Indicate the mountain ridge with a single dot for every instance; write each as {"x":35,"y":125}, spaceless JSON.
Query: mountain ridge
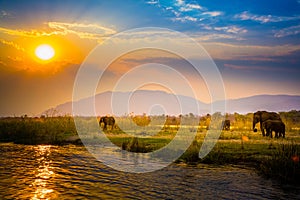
{"x":148,"y":101}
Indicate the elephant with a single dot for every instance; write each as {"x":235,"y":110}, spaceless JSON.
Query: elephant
{"x":107,"y":121}
{"x":261,"y":116}
{"x":226,"y":125}
{"x":274,"y":125}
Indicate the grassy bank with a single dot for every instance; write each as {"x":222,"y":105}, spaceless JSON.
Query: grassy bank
{"x":24,"y":130}
{"x":275,"y":158}
{"x":272,"y":158}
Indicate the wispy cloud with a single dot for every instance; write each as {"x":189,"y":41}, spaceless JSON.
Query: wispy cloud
{"x":23,"y":33}
{"x":293,"y":30}
{"x":152,"y":2}
{"x":12,"y":44}
{"x":5,"y":14}
{"x":264,"y":18}
{"x":188,"y":7}
{"x":186,"y":12}
{"x":255,"y":68}
{"x":243,"y":67}
{"x":86,"y":31}
{"x":227,"y":51}
{"x":226,"y":29}
{"x":185,"y":19}
{"x":213,"y":13}
{"x":209,"y":37}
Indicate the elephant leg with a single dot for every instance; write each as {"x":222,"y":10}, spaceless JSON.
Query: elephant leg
{"x":262,"y":129}
{"x":112,"y":126}
{"x":271,"y":134}
{"x":276,"y":134}
{"x":105,"y":126}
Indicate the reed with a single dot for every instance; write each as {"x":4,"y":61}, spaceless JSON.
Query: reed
{"x":283,"y":165}
{"x":23,"y":130}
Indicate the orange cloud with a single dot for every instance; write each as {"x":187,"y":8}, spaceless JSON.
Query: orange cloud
{"x":59,"y":35}
{"x":12,"y":44}
{"x":84,"y":31}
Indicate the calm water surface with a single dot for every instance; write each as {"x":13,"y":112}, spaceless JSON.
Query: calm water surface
{"x":70,"y":172}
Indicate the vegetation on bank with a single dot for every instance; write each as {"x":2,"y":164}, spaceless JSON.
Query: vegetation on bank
{"x":275,"y":158}
{"x":43,"y":130}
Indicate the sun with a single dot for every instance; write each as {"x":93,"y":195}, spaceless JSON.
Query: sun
{"x":44,"y":52}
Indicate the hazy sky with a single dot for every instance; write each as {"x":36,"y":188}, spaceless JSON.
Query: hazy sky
{"x":254,"y":43}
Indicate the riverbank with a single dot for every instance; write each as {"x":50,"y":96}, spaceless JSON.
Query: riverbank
{"x":272,"y":158}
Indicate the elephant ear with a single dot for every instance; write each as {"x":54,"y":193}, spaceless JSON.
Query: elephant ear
{"x":259,"y":113}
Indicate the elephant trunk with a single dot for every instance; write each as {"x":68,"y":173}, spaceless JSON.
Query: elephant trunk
{"x":253,"y":126}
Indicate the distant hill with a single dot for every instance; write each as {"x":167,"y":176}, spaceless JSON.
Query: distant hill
{"x":275,"y":103}
{"x":146,"y":101}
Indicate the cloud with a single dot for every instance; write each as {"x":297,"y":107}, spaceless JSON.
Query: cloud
{"x":153,"y":2}
{"x":189,"y":7}
{"x":226,"y":51}
{"x":227,"y":29}
{"x":264,"y":18}
{"x":213,"y":13}
{"x":85,"y":31}
{"x":243,"y":67}
{"x":24,"y":33}
{"x":213,"y":36}
{"x":293,"y":30}
{"x":185,"y":19}
{"x":5,"y":14}
{"x":185,"y":12}
{"x":12,"y":44}
{"x":258,"y":68}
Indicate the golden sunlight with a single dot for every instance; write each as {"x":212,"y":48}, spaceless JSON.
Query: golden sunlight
{"x":44,"y":52}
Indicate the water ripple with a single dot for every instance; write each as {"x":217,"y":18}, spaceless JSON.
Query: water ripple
{"x":70,"y":172}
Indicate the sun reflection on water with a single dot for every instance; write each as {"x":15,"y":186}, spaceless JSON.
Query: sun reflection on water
{"x":43,"y":173}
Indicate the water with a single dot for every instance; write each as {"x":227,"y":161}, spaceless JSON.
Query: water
{"x":70,"y":172}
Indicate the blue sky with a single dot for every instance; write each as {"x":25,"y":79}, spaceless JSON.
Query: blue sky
{"x":255,"y":44}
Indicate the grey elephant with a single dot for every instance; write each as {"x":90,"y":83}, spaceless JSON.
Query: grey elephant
{"x":107,"y":121}
{"x":274,"y":125}
{"x":226,"y":124}
{"x":262,"y":116}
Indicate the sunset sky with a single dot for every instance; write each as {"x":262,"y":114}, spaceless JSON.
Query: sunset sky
{"x":254,"y":43}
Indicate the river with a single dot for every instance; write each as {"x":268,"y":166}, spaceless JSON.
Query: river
{"x":71,"y":172}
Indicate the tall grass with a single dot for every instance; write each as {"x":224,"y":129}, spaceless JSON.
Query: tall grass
{"x":135,"y":145}
{"x":284,"y":164}
{"x":52,"y":130}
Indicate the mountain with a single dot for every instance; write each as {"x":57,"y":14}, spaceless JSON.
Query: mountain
{"x":275,"y":103}
{"x":159,"y":102}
